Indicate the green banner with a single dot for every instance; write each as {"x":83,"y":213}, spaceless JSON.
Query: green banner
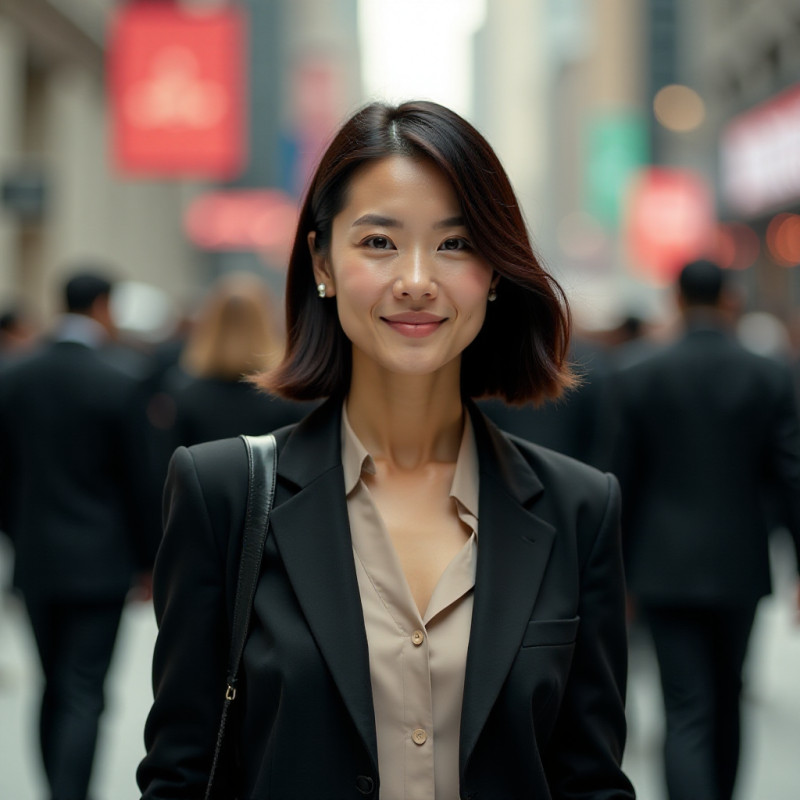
{"x":616,"y":147}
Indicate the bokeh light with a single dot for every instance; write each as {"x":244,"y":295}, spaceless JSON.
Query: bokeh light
{"x":737,"y":246}
{"x":783,"y":239}
{"x":679,"y":108}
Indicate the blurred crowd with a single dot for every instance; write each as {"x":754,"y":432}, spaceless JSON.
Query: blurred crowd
{"x":695,"y":413}
{"x":88,"y":420}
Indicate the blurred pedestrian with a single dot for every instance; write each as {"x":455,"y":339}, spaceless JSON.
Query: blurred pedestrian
{"x":71,"y":449}
{"x":707,"y":431}
{"x":234,"y":334}
{"x":440,"y":609}
{"x":17,"y":334}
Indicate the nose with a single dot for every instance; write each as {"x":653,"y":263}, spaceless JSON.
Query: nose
{"x":415,"y":278}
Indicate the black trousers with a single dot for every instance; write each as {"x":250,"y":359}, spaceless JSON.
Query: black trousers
{"x":700,"y":654}
{"x":75,"y":641}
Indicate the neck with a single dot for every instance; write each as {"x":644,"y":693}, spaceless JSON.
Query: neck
{"x":704,"y":315}
{"x":407,"y":420}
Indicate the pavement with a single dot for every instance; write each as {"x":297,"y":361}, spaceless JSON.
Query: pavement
{"x":770,"y":768}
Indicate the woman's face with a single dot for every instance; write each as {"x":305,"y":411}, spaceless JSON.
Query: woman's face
{"x":410,"y":289}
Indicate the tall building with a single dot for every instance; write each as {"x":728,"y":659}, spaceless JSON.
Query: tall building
{"x":61,"y":199}
{"x":560,"y":90}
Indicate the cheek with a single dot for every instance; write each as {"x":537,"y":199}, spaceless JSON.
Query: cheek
{"x":354,"y":279}
{"x":473,"y":289}
{"x":356,"y":284}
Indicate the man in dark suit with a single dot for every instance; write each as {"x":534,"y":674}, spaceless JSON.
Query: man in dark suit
{"x":707,"y":430}
{"x":73,"y":500}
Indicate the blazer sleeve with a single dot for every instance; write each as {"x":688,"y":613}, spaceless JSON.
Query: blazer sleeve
{"x":783,"y":455}
{"x":190,"y":657}
{"x":585,"y":751}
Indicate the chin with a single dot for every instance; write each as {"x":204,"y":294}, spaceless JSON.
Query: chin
{"x":416,"y":366}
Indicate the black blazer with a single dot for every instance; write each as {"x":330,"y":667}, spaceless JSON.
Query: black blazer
{"x":709,"y":431}
{"x":545,"y":678}
{"x":74,"y":490}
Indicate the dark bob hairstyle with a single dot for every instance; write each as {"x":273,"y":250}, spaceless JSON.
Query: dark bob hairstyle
{"x":520,"y":352}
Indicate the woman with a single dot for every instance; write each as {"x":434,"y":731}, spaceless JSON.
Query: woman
{"x":441,"y":608}
{"x":232,"y":335}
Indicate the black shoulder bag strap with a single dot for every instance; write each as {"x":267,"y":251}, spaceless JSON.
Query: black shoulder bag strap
{"x":262,"y":455}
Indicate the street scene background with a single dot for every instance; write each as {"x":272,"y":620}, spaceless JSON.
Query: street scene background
{"x":638,"y":134}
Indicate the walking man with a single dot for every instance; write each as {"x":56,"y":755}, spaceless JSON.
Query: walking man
{"x":708,"y":430}
{"x":73,"y":501}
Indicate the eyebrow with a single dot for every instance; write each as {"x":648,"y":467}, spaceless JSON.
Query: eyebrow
{"x":391,"y":222}
{"x":377,"y":219}
{"x":450,"y":222}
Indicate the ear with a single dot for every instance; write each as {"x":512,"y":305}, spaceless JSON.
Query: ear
{"x":321,"y":266}
{"x":100,"y":311}
{"x":495,"y":280}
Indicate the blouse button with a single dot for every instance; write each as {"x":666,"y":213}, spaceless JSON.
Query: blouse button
{"x":419,"y":736}
{"x":418,"y":637}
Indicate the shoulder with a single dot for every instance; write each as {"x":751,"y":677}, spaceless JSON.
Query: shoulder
{"x":580,"y":502}
{"x":206,"y":489}
{"x":769,"y":371}
{"x":124,"y":363}
{"x":559,"y":471}
{"x":25,"y":373}
{"x":209,"y":458}
{"x":19,"y":365}
{"x":207,"y":484}
{"x":220,"y":466}
{"x":651,"y":356}
{"x":528,"y":469}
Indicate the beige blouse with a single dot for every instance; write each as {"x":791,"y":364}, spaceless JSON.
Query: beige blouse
{"x":417,"y":662}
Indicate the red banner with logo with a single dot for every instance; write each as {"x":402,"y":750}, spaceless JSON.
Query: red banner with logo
{"x":177,"y":90}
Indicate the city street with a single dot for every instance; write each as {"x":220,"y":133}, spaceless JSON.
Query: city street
{"x":217,"y":214}
{"x":770,"y":766}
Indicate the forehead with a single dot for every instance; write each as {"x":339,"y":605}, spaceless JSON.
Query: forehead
{"x":400,"y":183}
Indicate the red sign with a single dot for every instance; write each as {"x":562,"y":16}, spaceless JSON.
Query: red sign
{"x":263,"y":220}
{"x":670,"y":222}
{"x":177,"y":90}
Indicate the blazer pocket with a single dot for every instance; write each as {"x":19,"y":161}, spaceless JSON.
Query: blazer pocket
{"x":551,"y":632}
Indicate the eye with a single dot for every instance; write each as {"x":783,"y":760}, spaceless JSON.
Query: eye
{"x":378,"y":243}
{"x":455,"y":243}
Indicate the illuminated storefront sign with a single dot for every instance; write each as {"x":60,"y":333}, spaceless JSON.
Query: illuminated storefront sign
{"x":760,"y":156}
{"x":260,"y":220}
{"x":177,"y":90}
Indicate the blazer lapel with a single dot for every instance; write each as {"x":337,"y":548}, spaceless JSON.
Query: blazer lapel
{"x":513,"y":550}
{"x":312,"y":533}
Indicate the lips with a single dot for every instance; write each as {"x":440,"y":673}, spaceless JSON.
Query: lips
{"x":414,"y":324}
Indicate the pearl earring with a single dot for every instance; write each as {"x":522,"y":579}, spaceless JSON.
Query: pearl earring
{"x":492,"y":296}
{"x":321,"y":289}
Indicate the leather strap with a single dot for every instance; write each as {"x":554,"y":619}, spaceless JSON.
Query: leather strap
{"x":262,"y":455}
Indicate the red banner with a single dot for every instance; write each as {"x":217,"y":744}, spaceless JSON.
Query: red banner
{"x":177,"y":90}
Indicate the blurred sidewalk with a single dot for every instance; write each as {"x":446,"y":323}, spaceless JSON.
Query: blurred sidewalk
{"x":771,"y":755}
{"x":770,"y":762}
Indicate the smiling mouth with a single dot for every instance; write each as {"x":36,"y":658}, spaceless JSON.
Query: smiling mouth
{"x":414,"y":325}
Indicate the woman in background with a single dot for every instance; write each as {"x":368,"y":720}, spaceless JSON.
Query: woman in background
{"x":233,"y":335}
